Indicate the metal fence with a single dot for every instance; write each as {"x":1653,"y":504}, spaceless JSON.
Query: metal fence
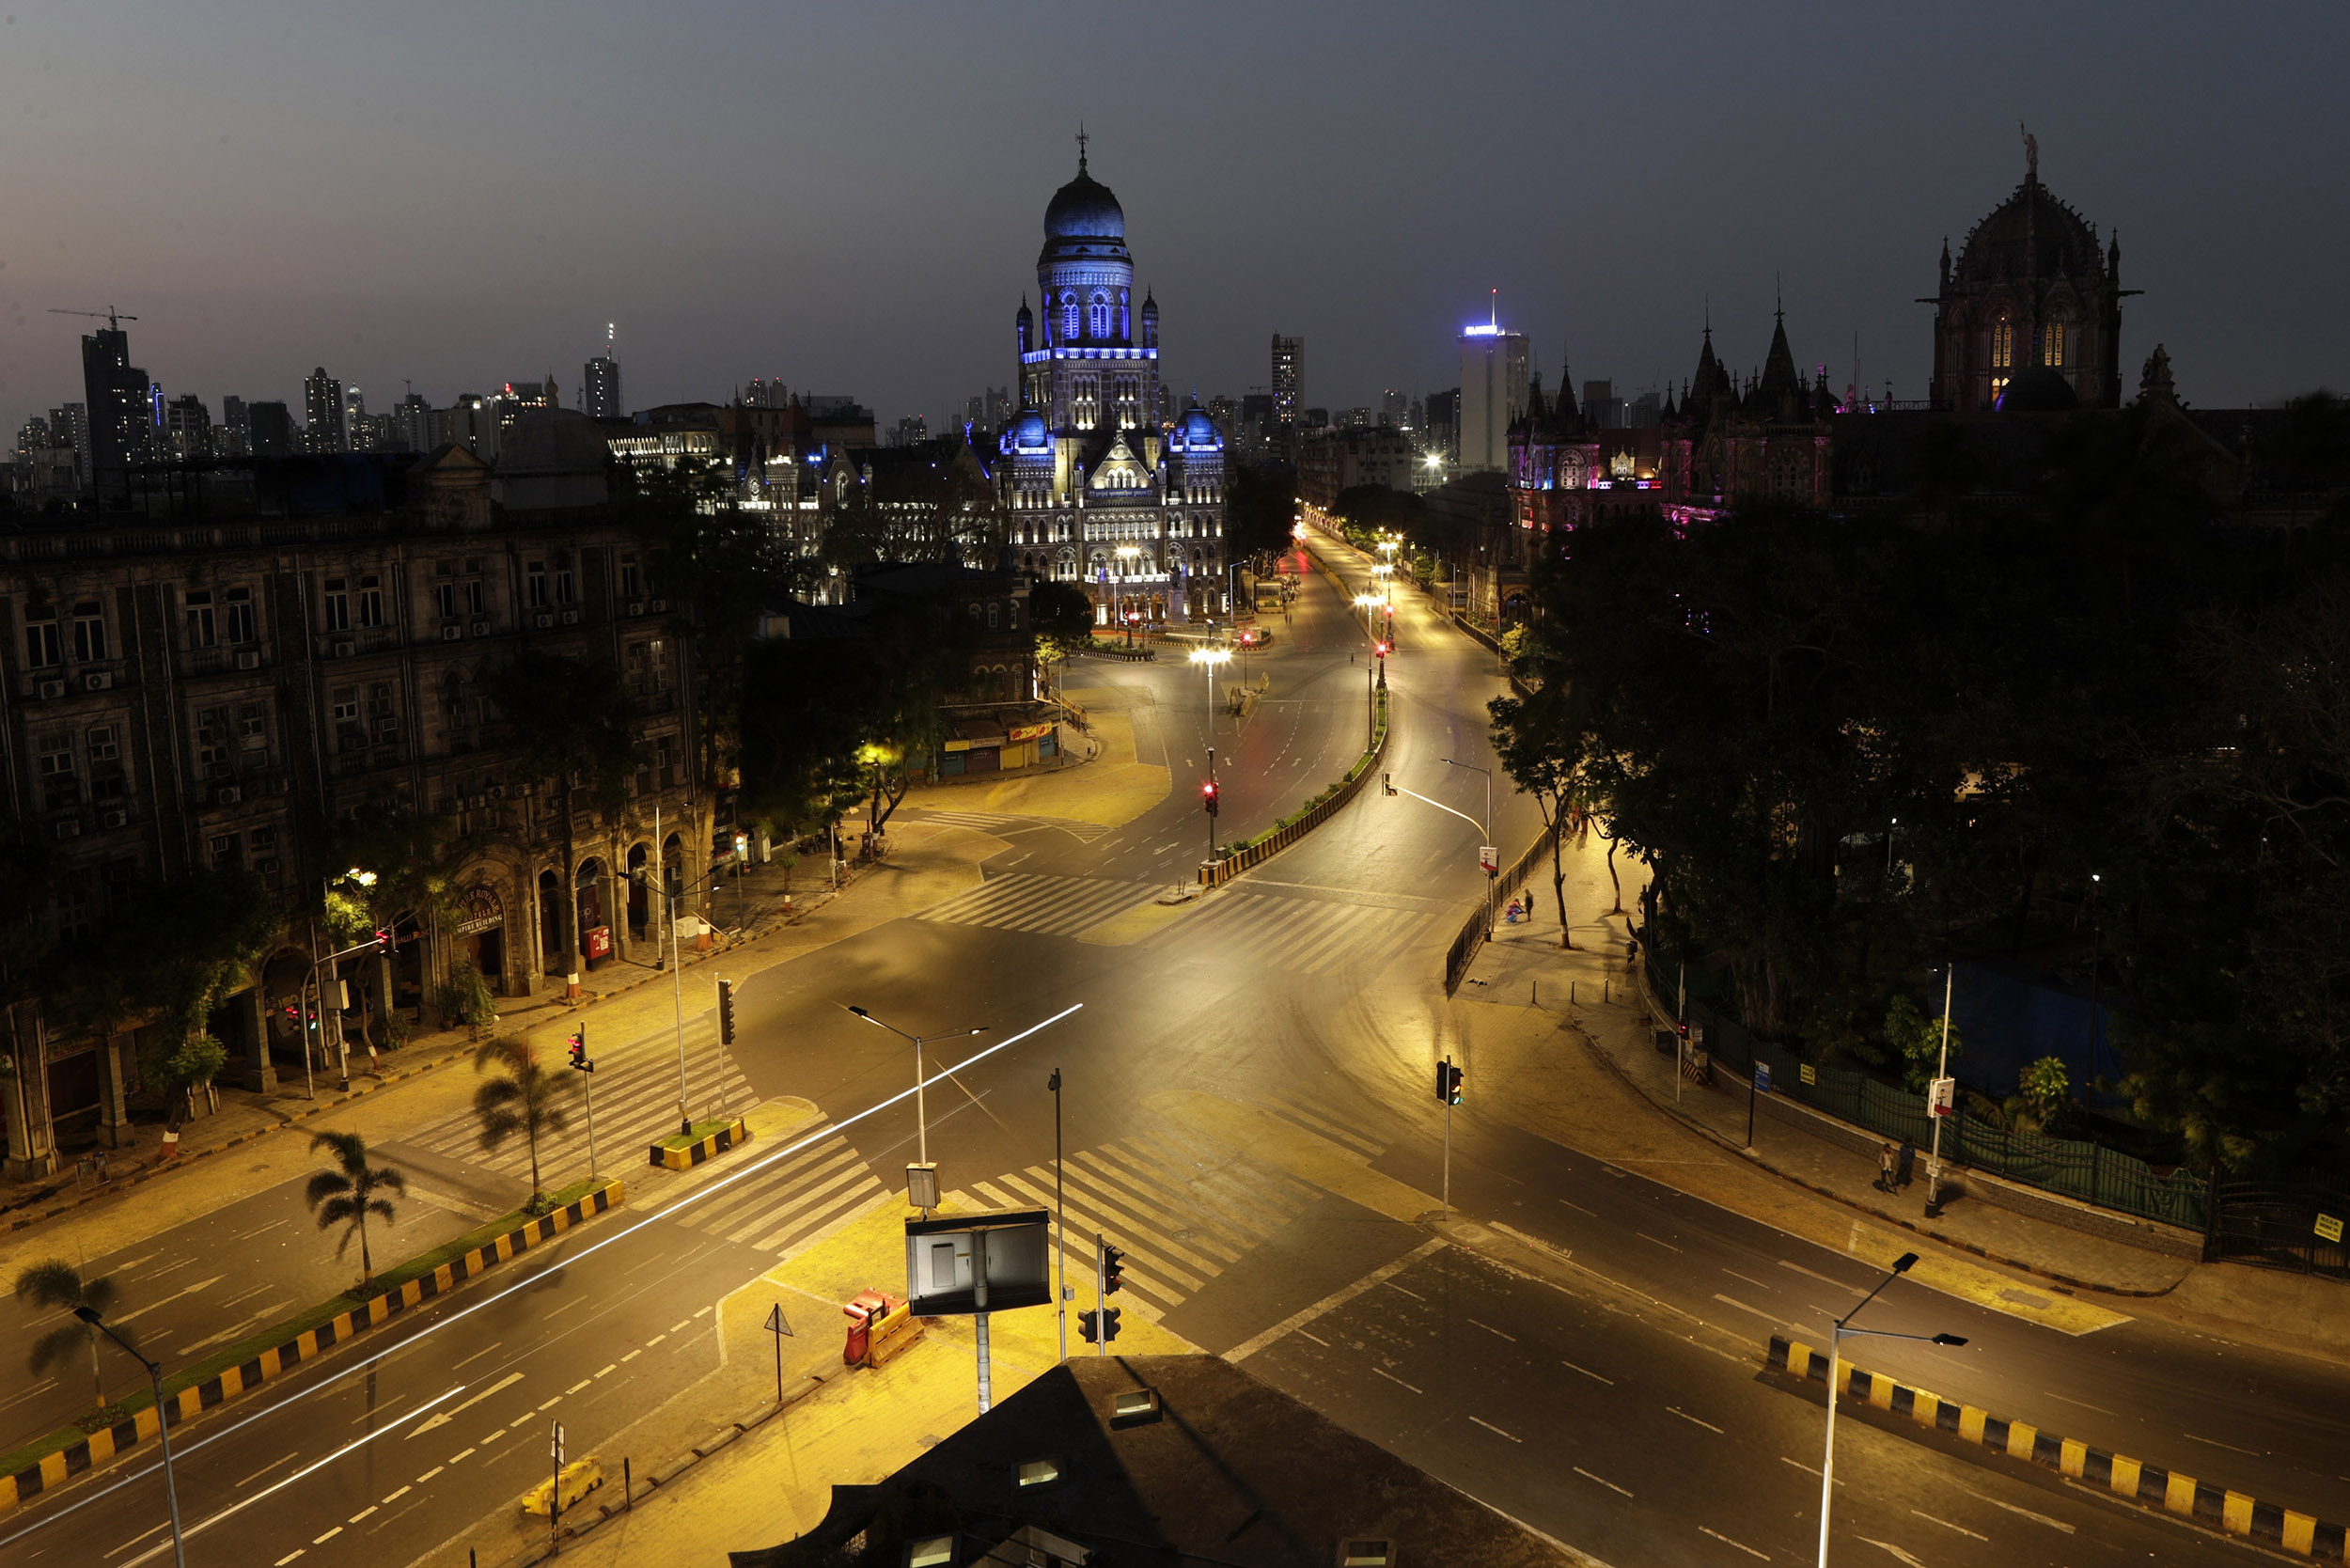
{"x":2076,"y":1167}
{"x":2300,"y":1229}
{"x":1464,"y":949}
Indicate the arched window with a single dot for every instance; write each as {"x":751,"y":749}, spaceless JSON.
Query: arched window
{"x":2003,"y":355}
{"x":2052,"y":343}
{"x":1100,"y":316}
{"x":993,"y":613}
{"x":1069,"y":315}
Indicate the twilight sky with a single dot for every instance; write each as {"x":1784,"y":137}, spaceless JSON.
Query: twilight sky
{"x":849,"y":196}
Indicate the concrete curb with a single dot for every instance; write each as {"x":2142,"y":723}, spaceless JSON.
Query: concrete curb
{"x":303,"y":1348}
{"x":701,"y":1148}
{"x":2150,"y":1486}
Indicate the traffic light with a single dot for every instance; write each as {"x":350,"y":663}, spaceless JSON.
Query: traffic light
{"x":1207,"y":796}
{"x":1086,"y":1329}
{"x":725,"y":1013}
{"x":1380,"y":649}
{"x":1447,"y":1083}
{"x":1110,"y":1323}
{"x":383,"y":940}
{"x":1113,"y":1270}
{"x":579,"y":1051}
{"x":742,"y":845}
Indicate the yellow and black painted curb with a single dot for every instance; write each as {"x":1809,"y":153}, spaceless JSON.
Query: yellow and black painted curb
{"x":2148,"y":1486}
{"x":305,"y":1346}
{"x":693,"y":1154}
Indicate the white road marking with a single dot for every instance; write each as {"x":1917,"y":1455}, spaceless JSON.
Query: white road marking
{"x":1316,"y":1339}
{"x":455,"y":1457}
{"x":491,"y":1439}
{"x":573,"y":1389}
{"x":1812,"y":1273}
{"x":614,"y":1367}
{"x":268,"y":1468}
{"x":556,"y":1399}
{"x":187,"y":1289}
{"x":1666,"y":1245}
{"x":1589,"y":1372}
{"x":1731,"y":1301}
{"x":1490,"y":1427}
{"x":1603,"y":1480}
{"x":1747,"y":1278}
{"x":1392,"y":1378}
{"x":363,"y":1514}
{"x":1578,"y":1208}
{"x":431,"y":1473}
{"x":2084,"y":1405}
{"x":136,"y":1538}
{"x":330,"y":1535}
{"x":1414,"y":1295}
{"x":1898,"y":1556}
{"x":2037,"y":1519}
{"x":1694,"y":1421}
{"x":631,"y":1356}
{"x":2218,"y":1444}
{"x":1491,"y":1329}
{"x":1727,"y":1542}
{"x":679,"y":1324}
{"x":396,"y":1495}
{"x":655,"y":1340}
{"x":1946,"y":1524}
{"x":704,"y":1312}
{"x":290,"y":1556}
{"x":476,"y":1356}
{"x":248,"y":1236}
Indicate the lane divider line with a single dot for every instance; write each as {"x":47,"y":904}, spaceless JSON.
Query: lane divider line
{"x":2150,"y":1486}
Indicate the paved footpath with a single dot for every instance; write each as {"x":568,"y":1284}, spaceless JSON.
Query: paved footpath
{"x":1694,"y":1138}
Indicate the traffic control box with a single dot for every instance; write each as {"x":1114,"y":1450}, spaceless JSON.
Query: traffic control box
{"x":877,"y":1322}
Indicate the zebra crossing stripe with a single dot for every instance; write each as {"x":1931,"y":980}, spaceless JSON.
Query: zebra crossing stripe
{"x":1111,"y":1200}
{"x":1247,"y":1193}
{"x":751,"y":1194}
{"x":781,"y":1217}
{"x":1051,"y":905}
{"x":1100,"y":1217}
{"x":1242,"y":1209}
{"x":1123,"y":1187}
{"x":1283,"y":1105}
{"x":858,"y":1199}
{"x":764,"y":1201}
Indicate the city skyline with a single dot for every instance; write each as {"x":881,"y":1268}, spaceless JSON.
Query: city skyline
{"x":350,"y":246}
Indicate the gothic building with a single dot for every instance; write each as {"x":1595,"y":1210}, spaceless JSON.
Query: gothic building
{"x":2028,"y":318}
{"x":1098,"y":489}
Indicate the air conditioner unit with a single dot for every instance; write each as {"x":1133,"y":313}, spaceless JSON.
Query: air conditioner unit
{"x":659,"y":607}
{"x":544,"y":620}
{"x":637,"y":606}
{"x":497,"y":792}
{"x":522,"y":791}
{"x":99,"y":681}
{"x":113,"y":819}
{"x":53,"y":688}
{"x":345,"y":649}
{"x":571,"y":618}
{"x":451,"y":632}
{"x":70,"y":828}
{"x":481,"y":628}
{"x":227,"y":794}
{"x":249,"y":659}
{"x":267,"y":868}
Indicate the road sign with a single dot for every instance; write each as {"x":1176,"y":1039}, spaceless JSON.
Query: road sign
{"x":1807,"y":1072}
{"x":1942,"y":1096}
{"x":775,"y":1323}
{"x":1489,"y":859}
{"x":1762,"y":1077}
{"x":557,"y":1447}
{"x":2329,"y":1227}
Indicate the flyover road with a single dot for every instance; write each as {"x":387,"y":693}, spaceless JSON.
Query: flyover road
{"x":1248,"y":1113}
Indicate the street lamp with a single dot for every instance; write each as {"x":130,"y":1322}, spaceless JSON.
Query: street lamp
{"x":162,"y":1427}
{"x":1211,"y":659}
{"x":1835,"y":1341}
{"x":1127,"y":555}
{"x":921,"y":1119}
{"x":1489,"y":835}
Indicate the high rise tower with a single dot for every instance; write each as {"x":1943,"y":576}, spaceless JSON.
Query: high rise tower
{"x":603,"y":380}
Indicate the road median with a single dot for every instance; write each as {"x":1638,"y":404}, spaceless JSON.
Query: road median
{"x":2150,"y":1486}
{"x":1281,"y":835}
{"x":298,"y":1341}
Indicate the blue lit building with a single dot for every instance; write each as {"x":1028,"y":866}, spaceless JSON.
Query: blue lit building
{"x":1099,"y":489}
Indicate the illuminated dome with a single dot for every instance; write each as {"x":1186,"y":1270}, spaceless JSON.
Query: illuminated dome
{"x":1027,"y":431}
{"x":1198,"y":432}
{"x":1085,"y":209}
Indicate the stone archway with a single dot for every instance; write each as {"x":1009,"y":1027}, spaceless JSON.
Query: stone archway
{"x":550,"y":923}
{"x":595,"y":923}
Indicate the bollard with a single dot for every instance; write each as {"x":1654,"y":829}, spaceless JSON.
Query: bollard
{"x":628,"y":1497}
{"x":1605,"y":985}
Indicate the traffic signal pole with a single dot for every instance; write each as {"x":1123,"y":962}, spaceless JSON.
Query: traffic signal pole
{"x":588,"y":1088}
{"x":1101,"y":1302}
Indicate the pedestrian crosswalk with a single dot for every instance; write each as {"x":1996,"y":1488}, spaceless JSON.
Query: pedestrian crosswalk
{"x":995,"y":821}
{"x":635,"y":1087}
{"x":794,"y":1201}
{"x":1316,"y":936}
{"x":1055,"y":905}
{"x":1182,"y":1206}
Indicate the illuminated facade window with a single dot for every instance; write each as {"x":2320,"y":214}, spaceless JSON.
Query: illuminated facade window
{"x":1069,"y":315}
{"x":2052,"y":344}
{"x":1100,"y":316}
{"x":2003,"y":355}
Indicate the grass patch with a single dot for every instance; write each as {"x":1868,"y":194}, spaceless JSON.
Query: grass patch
{"x":700,"y":1131}
{"x":279,"y":1333}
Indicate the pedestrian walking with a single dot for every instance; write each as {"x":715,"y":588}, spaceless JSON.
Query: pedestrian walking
{"x":1885,"y":1168}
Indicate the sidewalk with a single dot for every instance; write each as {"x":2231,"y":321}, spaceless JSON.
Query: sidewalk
{"x":1110,"y":789}
{"x":422,"y":1083}
{"x":1616,"y":1095}
{"x":731,"y":1476}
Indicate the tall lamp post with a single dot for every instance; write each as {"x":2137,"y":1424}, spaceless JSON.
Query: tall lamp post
{"x":163,"y":1428}
{"x":1472,"y":767}
{"x":1834,"y":1360}
{"x":921,"y":1116}
{"x":1127,"y":555}
{"x":1211,"y":659}
{"x":1371,"y":679}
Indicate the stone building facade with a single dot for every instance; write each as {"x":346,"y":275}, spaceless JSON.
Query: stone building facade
{"x":219,"y":690}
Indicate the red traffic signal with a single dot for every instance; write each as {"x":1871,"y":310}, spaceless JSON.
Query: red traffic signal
{"x":383,"y":939}
{"x":1381,"y":648}
{"x":1113,"y":1269}
{"x":1207,"y":796}
{"x":578,"y":1044}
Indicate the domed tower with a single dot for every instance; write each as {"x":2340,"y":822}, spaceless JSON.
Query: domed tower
{"x":1094,"y":374}
{"x":1024,"y":327}
{"x":2032,"y":296}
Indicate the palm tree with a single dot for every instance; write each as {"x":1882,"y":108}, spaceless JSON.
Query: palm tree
{"x":347,"y":1195}
{"x":54,"y":1282}
{"x":522,"y":1098}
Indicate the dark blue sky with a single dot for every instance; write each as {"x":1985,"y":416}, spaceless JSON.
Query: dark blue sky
{"x":849,"y":196}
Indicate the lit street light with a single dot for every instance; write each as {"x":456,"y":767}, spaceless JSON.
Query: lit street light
{"x":1834,"y":1358}
{"x":921,"y":1119}
{"x":1211,"y":659}
{"x":163,"y":1428}
{"x":1127,"y":555}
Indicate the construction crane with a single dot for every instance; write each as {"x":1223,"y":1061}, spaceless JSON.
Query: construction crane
{"x":113,"y":318}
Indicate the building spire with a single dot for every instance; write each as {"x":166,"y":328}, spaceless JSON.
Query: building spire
{"x":2031,"y":155}
{"x":1081,"y":146}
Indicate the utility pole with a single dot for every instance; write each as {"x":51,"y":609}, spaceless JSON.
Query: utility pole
{"x":586,"y":1068}
{"x":1060,"y":1224}
{"x":677,"y":985}
{"x":1941,"y":1086}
